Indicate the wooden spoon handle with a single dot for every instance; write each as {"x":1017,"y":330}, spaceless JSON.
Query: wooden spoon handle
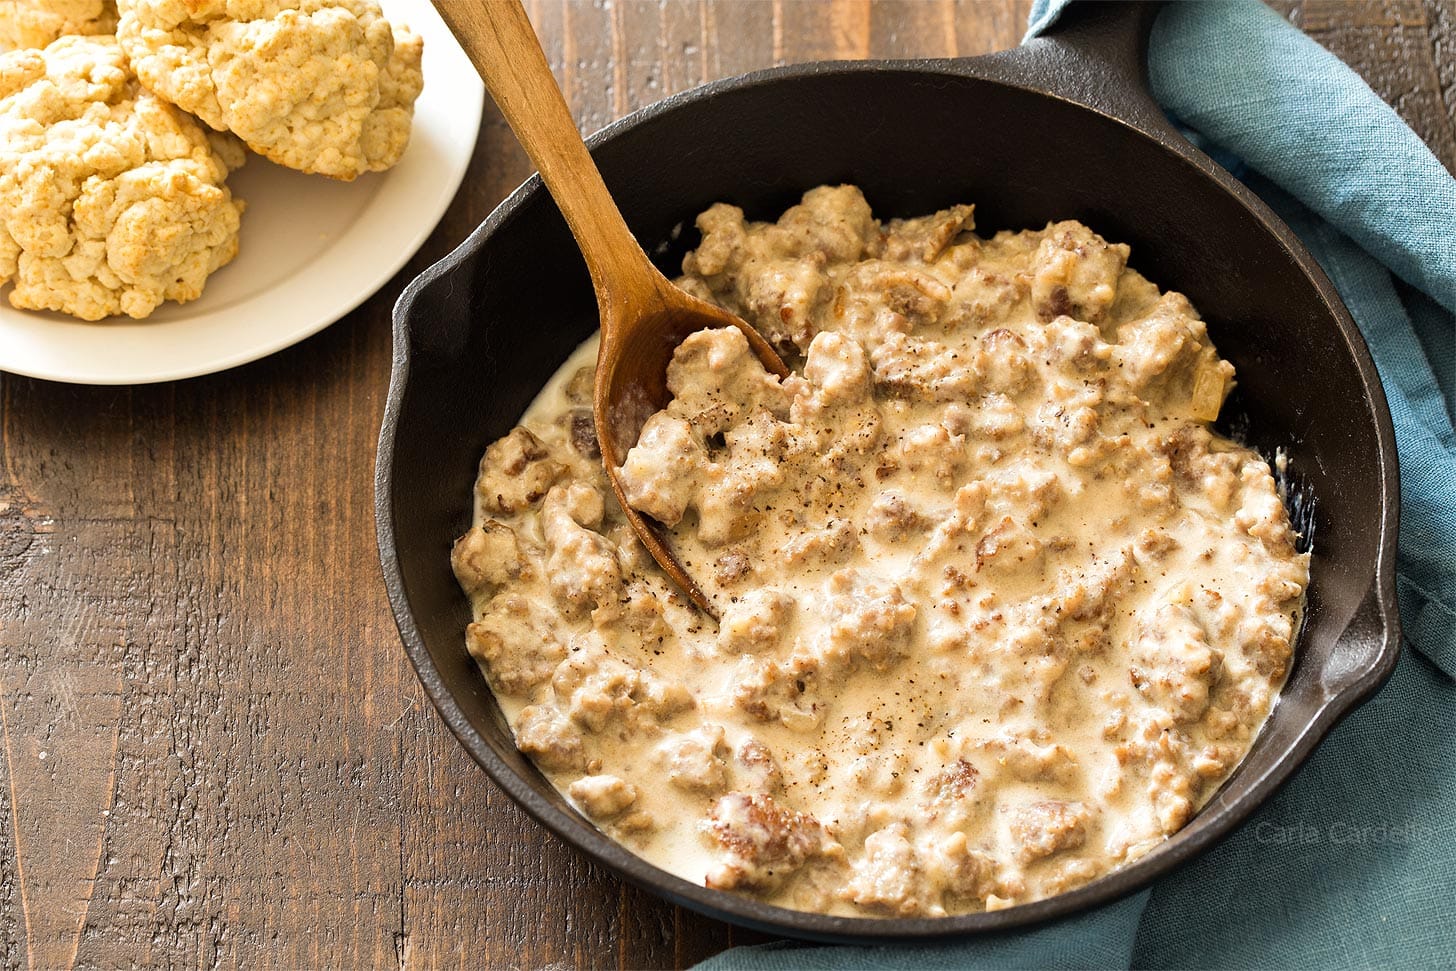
{"x":498,"y":38}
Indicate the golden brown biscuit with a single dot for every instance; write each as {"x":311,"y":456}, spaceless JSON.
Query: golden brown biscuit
{"x":325,"y":86}
{"x":111,"y":200}
{"x":35,"y":23}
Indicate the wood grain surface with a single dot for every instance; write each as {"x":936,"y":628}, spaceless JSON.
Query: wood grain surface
{"x":212,"y":750}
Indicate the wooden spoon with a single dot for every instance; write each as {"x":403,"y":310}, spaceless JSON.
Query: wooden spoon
{"x":643,"y":316}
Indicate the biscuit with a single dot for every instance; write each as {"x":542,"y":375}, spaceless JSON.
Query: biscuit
{"x":111,"y":200}
{"x":35,"y":23}
{"x":323,"y":86}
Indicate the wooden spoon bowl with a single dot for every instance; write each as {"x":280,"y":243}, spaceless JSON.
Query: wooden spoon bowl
{"x":631,"y":384}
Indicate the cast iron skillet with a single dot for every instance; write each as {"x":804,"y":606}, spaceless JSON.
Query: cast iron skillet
{"x":1059,"y":128}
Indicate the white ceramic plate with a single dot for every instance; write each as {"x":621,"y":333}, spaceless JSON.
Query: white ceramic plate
{"x":311,"y":249}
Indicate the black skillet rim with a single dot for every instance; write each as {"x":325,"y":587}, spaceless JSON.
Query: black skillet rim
{"x":869,"y":930}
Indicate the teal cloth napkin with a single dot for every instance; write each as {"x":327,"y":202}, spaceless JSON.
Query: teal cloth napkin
{"x":1353,"y":864}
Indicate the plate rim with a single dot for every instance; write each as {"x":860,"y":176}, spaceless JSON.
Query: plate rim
{"x":462,"y":103}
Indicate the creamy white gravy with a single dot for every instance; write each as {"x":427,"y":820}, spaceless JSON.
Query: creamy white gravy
{"x":999,"y":611}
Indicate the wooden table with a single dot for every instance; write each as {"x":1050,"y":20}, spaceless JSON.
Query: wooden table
{"x":214,"y":750}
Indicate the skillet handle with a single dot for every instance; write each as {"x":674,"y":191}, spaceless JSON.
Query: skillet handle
{"x":1364,"y":654}
{"x":1096,"y":54}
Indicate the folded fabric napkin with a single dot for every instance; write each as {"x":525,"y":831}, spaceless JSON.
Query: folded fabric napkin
{"x":1352,"y":863}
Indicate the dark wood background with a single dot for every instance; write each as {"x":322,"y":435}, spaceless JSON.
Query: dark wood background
{"x":214,"y":750}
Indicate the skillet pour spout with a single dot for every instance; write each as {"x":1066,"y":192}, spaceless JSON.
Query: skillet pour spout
{"x":1060,"y":128}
